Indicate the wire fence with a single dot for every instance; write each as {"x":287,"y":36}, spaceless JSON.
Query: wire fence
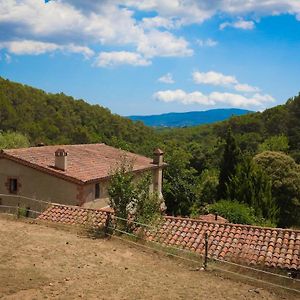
{"x":166,"y":252}
{"x":204,"y":258}
{"x":111,"y":227}
{"x":25,"y":198}
{"x":19,"y":211}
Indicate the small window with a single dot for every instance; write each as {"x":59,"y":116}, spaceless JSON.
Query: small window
{"x":97,"y":190}
{"x":13,"y":185}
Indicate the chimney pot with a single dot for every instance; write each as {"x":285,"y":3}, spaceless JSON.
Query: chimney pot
{"x":61,"y":159}
{"x":158,"y":156}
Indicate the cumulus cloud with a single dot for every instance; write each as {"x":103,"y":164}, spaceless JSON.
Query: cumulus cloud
{"x":156,"y":22}
{"x":214,"y":98}
{"x":207,"y":43}
{"x":195,"y":11}
{"x":219,"y":79}
{"x":162,"y":43}
{"x":246,"y":88}
{"x":241,"y":24}
{"x":103,"y":23}
{"x":116,"y":58}
{"x":29,"y":47}
{"x":114,"y":23}
{"x":213,"y":78}
{"x":168,"y":78}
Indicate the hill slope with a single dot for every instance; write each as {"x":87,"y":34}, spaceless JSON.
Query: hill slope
{"x":60,"y":119}
{"x":192,"y":118}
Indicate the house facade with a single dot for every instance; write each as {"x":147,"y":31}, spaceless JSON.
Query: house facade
{"x":68,"y":174}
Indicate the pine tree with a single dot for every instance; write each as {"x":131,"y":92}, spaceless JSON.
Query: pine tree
{"x":231,"y":158}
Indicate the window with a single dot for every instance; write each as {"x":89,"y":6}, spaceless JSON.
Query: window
{"x":13,"y":185}
{"x":97,"y":190}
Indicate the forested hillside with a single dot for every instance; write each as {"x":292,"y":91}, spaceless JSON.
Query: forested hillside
{"x":191,"y":118}
{"x":245,"y":169}
{"x":60,"y":119}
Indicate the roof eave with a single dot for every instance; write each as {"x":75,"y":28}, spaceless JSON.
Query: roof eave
{"x":40,"y":168}
{"x":148,"y":168}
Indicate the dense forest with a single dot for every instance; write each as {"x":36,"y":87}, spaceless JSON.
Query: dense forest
{"x":60,"y":119}
{"x":245,"y":169}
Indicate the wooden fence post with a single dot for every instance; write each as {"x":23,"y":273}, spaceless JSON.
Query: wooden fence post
{"x":18,"y":211}
{"x":206,"y":252}
{"x":107,"y":223}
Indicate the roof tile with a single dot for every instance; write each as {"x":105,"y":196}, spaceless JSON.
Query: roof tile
{"x":86,"y":162}
{"x":239,"y":243}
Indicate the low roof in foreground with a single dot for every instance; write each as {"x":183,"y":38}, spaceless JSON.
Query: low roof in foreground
{"x":86,"y":162}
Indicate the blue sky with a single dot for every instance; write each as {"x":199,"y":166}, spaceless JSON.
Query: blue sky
{"x":155,"y":56}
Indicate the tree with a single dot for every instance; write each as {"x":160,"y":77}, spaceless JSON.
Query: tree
{"x":122,"y":191}
{"x":275,"y":143}
{"x":285,"y":175}
{"x":129,"y":195}
{"x":251,"y":186}
{"x":10,"y":140}
{"x":179,"y":188}
{"x":231,"y":158}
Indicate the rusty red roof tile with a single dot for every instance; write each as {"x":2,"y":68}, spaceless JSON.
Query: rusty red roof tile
{"x":270,"y":247}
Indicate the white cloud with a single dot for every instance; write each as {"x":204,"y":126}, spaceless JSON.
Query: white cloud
{"x":163,"y":43}
{"x":29,"y":47}
{"x":182,"y":97}
{"x":246,"y":88}
{"x":213,"y":78}
{"x":219,"y":79}
{"x":168,"y":78}
{"x":241,"y":24}
{"x":115,"y":58}
{"x":156,"y":22}
{"x":214,"y":98}
{"x":207,"y":43}
{"x":105,"y":22}
{"x":59,"y":24}
{"x":195,"y":11}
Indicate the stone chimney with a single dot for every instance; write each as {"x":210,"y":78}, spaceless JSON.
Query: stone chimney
{"x":61,"y":159}
{"x":158,"y":156}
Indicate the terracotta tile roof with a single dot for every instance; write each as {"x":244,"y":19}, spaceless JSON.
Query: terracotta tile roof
{"x":271,"y":247}
{"x":73,"y":215}
{"x":85,"y":163}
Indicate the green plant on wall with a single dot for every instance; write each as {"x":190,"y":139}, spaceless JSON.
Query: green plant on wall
{"x":130,"y":196}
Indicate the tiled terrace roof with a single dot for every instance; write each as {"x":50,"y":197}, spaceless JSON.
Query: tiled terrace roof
{"x":86,"y":162}
{"x":271,"y":247}
{"x":74,"y":215}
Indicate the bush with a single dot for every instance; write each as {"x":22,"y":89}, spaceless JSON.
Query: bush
{"x":234,"y":212}
{"x":130,"y":196}
{"x":238,"y":213}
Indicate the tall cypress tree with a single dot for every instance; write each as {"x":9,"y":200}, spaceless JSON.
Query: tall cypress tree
{"x":252,"y":186}
{"x":231,"y":158}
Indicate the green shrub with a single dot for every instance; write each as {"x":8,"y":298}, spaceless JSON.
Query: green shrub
{"x":234,"y":212}
{"x":238,"y":213}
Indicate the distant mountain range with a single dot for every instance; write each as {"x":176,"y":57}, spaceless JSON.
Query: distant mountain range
{"x":192,"y":118}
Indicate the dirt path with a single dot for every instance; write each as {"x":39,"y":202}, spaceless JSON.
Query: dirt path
{"x":40,"y":262}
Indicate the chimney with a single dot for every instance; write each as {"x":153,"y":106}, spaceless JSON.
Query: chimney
{"x":158,"y":156}
{"x":61,"y":159}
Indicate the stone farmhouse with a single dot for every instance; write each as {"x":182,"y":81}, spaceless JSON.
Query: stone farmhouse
{"x":68,"y":174}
